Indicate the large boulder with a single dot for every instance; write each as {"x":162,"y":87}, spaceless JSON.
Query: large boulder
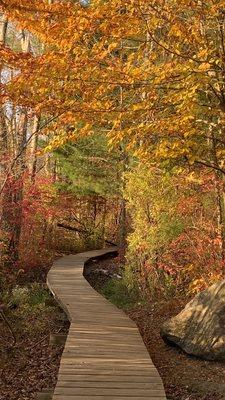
{"x":199,"y":329}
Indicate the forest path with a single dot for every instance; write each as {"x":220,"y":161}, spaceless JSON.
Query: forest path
{"x":104,"y":356}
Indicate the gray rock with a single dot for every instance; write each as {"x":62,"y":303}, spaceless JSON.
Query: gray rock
{"x":199,"y":329}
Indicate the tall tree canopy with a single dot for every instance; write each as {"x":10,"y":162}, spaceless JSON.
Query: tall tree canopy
{"x":151,"y":73}
{"x":148,"y":76}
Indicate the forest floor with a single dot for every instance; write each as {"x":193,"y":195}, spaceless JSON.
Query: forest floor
{"x":31,"y":364}
{"x":184,"y":377}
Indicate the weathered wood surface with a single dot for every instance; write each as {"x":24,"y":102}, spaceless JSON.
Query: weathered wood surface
{"x":104,"y":356}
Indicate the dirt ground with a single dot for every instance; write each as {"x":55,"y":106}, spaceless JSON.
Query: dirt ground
{"x":184,"y":377}
{"x":30,"y":365}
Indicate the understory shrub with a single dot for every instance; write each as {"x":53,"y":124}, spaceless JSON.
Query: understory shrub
{"x":120,"y":294}
{"x":27,"y":310}
{"x":174,"y":245}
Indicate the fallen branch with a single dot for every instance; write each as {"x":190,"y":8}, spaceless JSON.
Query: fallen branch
{"x":82,"y":231}
{"x":72,"y":228}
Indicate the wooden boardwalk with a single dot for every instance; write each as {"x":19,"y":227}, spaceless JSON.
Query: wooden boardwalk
{"x":104,"y":356}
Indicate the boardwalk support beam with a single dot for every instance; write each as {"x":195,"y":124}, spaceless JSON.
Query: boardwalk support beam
{"x":45,"y":395}
{"x":57,"y":339}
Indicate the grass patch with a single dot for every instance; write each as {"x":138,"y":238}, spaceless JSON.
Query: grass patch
{"x":27,"y":310}
{"x":38,"y":295}
{"x":118,"y":293}
{"x":30,"y":295}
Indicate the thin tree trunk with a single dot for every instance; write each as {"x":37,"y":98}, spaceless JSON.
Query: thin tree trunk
{"x":3,"y":28}
{"x":12,"y":197}
{"x":220,"y":187}
{"x":104,"y":221}
{"x":123,"y":213}
{"x":18,"y":173}
{"x":18,"y":198}
{"x":122,"y":225}
{"x":34,"y":146}
{"x":6,"y":197}
{"x":221,"y":203}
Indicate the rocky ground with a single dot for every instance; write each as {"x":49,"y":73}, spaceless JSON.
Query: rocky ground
{"x":184,"y":377}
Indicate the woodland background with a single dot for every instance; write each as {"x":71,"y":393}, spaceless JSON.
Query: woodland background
{"x":112,"y":131}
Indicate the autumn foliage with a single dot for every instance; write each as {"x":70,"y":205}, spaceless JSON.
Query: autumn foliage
{"x":175,"y":244}
{"x":149,"y":78}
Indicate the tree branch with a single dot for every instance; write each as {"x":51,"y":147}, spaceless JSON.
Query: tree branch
{"x":208,"y":165}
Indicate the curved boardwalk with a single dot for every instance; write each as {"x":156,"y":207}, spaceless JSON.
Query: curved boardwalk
{"x":104,"y":356}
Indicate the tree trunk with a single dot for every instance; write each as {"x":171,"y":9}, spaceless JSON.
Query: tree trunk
{"x":3,"y":28}
{"x":12,"y":196}
{"x":12,"y":199}
{"x":34,"y":145}
{"x":122,"y":226}
{"x":220,"y":187}
{"x":221,"y":207}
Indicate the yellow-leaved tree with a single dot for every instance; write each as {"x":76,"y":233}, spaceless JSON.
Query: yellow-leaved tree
{"x":149,"y":74}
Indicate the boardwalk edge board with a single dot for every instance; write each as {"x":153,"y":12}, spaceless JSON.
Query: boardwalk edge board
{"x":104,"y":357}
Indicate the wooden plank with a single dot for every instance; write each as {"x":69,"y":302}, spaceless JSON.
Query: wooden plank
{"x":116,"y":362}
{"x":108,"y":351}
{"x":107,"y":378}
{"x":104,"y":328}
{"x":108,"y":392}
{"x":109,"y":384}
{"x":90,"y":339}
{"x":108,"y":345}
{"x":108,"y":371}
{"x":104,"y":355}
{"x":103,"y":397}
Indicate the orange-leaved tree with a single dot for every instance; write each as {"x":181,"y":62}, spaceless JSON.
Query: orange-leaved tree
{"x":150,"y":74}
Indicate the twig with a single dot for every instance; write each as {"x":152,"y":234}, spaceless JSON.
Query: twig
{"x":5,"y":319}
